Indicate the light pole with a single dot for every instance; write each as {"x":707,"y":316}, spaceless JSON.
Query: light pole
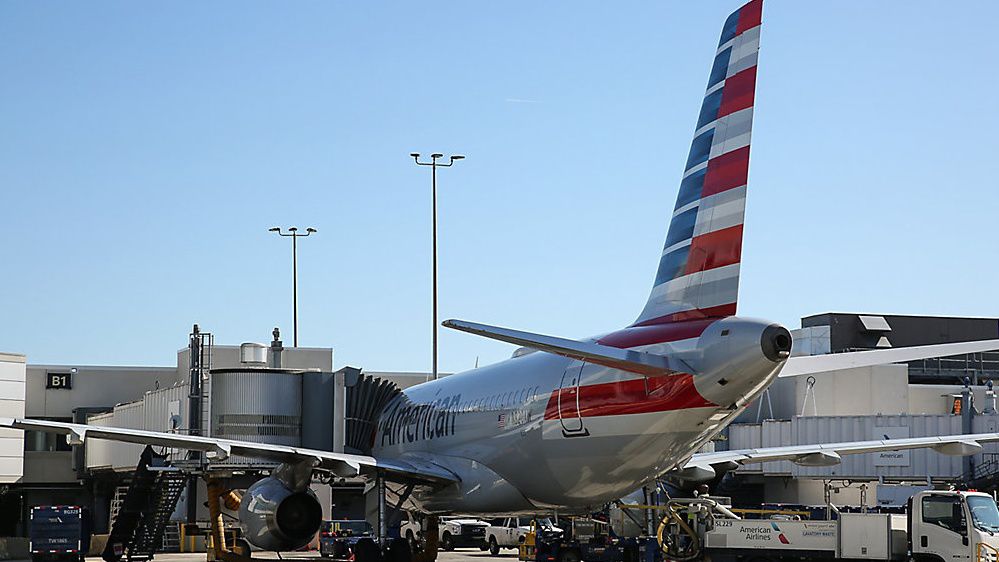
{"x":293,"y":233}
{"x":433,"y":182}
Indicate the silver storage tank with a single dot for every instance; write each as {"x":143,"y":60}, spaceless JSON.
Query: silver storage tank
{"x":258,"y":405}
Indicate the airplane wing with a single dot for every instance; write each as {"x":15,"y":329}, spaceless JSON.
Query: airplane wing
{"x":624,"y":359}
{"x":341,"y":464}
{"x":812,"y":364}
{"x":828,"y":454}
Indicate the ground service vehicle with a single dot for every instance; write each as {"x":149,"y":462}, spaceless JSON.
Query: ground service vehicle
{"x":591,"y":541}
{"x":58,"y":532}
{"x":940,"y":526}
{"x":340,"y":540}
{"x":510,"y":532}
{"x":454,"y":533}
{"x":462,"y":533}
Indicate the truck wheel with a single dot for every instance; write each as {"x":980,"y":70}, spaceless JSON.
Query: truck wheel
{"x":414,"y":544}
{"x":447,"y":543}
{"x":568,"y":556}
{"x":339,"y":551}
{"x":399,"y":551}
{"x":493,"y":546}
{"x":367,"y":551}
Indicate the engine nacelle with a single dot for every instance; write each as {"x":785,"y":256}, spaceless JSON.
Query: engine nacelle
{"x":275,"y":517}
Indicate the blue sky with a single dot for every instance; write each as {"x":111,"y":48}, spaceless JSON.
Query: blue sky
{"x":145,"y":149}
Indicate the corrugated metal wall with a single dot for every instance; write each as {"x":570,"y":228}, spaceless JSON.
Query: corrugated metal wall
{"x":913,"y":464}
{"x":159,"y":410}
{"x":126,"y":455}
{"x":262,"y":406}
{"x":166,"y":409}
{"x":98,"y":451}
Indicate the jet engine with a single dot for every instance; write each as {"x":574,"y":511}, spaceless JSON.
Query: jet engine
{"x":275,"y":516}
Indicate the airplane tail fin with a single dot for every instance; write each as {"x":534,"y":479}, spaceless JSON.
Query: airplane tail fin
{"x":698,"y":273}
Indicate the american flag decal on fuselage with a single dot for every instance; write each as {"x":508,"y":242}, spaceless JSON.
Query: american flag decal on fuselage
{"x":698,"y":273}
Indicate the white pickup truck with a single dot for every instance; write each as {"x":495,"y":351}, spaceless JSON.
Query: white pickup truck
{"x":509,"y":532}
{"x":454,"y":533}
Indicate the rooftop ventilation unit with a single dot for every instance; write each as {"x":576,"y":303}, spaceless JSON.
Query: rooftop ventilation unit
{"x":253,"y":354}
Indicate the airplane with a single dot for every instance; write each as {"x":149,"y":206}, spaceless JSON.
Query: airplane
{"x":573,"y":424}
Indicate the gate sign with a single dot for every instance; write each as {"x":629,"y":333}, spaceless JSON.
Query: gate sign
{"x":891,"y":458}
{"x":59,"y":381}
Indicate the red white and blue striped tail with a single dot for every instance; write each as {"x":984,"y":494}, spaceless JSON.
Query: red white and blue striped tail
{"x":698,"y":272}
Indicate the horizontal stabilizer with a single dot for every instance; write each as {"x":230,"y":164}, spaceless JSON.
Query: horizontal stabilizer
{"x":813,"y":364}
{"x":615,"y":358}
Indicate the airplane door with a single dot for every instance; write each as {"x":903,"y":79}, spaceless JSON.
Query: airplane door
{"x":568,"y":401}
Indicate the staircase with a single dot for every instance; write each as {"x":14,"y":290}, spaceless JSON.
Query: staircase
{"x":119,"y":498}
{"x":171,"y":537}
{"x":143,"y":515}
{"x":984,"y":476}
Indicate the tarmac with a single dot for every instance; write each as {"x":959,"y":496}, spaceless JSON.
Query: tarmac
{"x":457,"y":555}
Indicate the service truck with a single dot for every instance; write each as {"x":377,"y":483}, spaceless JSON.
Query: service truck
{"x":58,"y":532}
{"x":939,"y":526}
{"x":510,"y":532}
{"x":454,"y":532}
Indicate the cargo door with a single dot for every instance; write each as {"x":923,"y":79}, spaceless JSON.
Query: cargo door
{"x":568,"y":401}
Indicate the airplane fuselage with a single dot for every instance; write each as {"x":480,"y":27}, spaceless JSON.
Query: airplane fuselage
{"x":544,"y":431}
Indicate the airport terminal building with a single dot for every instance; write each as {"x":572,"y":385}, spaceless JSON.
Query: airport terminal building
{"x":294,"y":396}
{"x":244,"y":396}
